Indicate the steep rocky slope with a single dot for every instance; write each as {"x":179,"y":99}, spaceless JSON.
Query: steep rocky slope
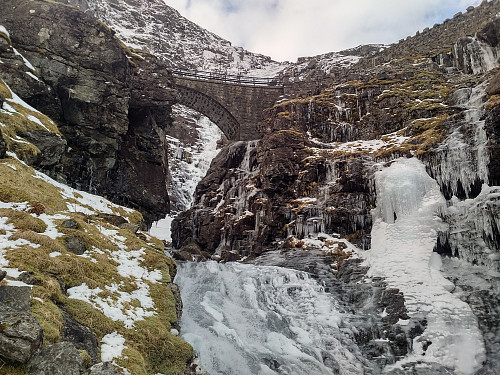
{"x":112,"y":105}
{"x":81,"y":283}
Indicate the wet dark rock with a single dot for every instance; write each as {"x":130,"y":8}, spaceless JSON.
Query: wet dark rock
{"x":418,"y":369}
{"x":28,"y":278}
{"x":70,"y":223}
{"x":493,"y":131}
{"x":2,"y":275}
{"x":249,"y":207}
{"x":52,"y":147}
{"x":230,"y":256}
{"x":75,"y":246}
{"x":111,"y":111}
{"x":57,"y":359}
{"x":191,"y":248}
{"x":494,"y":85}
{"x":17,"y":297}
{"x":394,"y":303}
{"x":182,"y":255}
{"x":80,"y":336}
{"x":20,"y":334}
{"x":3,"y":146}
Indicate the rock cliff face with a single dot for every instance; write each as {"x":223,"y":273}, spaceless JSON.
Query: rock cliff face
{"x":112,"y":105}
{"x":313,"y":170}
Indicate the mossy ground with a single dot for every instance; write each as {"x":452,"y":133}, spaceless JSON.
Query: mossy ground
{"x":32,"y":203}
{"x":19,"y":119}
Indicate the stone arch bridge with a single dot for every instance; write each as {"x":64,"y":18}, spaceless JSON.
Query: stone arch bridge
{"x":234,"y":103}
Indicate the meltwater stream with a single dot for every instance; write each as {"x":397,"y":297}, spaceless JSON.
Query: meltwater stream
{"x":247,"y":319}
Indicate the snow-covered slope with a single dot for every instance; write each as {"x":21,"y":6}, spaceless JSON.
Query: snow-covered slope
{"x":83,"y":257}
{"x":158,"y":28}
{"x":154,"y":26}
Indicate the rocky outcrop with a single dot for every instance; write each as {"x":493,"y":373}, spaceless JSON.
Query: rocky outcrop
{"x":58,"y":359}
{"x":106,"y":368}
{"x":3,"y":147}
{"x":20,"y":334}
{"x":258,"y":194}
{"x":111,"y":104}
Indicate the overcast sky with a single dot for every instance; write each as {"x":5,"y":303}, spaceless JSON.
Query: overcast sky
{"x":288,"y":29}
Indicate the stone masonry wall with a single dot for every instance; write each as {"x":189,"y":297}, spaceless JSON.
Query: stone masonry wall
{"x":244,"y":103}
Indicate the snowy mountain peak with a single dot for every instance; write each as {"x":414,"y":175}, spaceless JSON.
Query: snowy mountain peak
{"x":160,"y":29}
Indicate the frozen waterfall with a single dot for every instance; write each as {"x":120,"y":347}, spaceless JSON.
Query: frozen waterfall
{"x":405,"y":229}
{"x":246,"y":319}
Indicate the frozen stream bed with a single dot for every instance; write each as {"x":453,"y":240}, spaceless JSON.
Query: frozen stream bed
{"x":248,"y":319}
{"x":265,"y":319}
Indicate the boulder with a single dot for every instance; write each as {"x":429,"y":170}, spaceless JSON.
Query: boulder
{"x":115,"y":220}
{"x":17,"y":297}
{"x":75,"y":246}
{"x":106,"y":368}
{"x":20,"y":334}
{"x":70,"y":224}
{"x":493,"y":87}
{"x":61,"y":358}
{"x":3,"y":145}
{"x":28,"y":278}
{"x":80,"y":336}
{"x":51,"y":146}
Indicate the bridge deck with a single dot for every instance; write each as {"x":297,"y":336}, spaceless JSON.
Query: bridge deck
{"x":229,"y":78}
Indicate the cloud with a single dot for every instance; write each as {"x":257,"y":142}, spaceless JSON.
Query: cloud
{"x":288,"y":29}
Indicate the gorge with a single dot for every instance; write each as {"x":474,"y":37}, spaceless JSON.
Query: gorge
{"x":350,"y":226}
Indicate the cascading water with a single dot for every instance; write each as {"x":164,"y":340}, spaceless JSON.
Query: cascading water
{"x":188,"y":173}
{"x":246,"y":319}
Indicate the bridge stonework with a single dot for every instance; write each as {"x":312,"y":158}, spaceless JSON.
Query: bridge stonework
{"x":235,"y":108}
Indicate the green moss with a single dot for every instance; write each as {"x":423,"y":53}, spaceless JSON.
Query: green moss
{"x":13,"y":369}
{"x":284,"y":114}
{"x":133,"y":217}
{"x":155,"y":260}
{"x":5,"y":92}
{"x":50,"y":319}
{"x":494,"y":101}
{"x":151,"y":347}
{"x":281,"y":133}
{"x":22,"y":120}
{"x":85,"y":314}
{"x":422,"y":90}
{"x":86,"y":358}
{"x":39,"y":239}
{"x":20,"y":185}
{"x":425,"y":134}
{"x":161,"y":351}
{"x":133,"y":361}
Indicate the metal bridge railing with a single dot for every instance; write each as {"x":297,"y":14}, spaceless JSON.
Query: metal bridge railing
{"x":240,"y":79}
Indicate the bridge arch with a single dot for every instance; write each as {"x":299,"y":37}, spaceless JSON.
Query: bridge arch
{"x":235,"y":104}
{"x":211,"y":108}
